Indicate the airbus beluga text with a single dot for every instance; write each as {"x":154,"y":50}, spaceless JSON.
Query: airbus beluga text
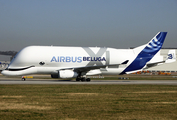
{"x":77,"y":62}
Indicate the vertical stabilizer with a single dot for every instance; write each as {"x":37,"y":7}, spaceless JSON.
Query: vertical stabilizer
{"x":146,"y":52}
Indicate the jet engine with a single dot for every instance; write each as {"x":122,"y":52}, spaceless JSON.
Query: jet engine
{"x":65,"y":74}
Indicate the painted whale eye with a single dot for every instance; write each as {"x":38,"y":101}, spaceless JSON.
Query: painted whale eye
{"x":41,"y":63}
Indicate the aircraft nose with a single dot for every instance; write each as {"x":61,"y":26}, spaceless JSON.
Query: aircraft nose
{"x":2,"y":72}
{"x":5,"y":72}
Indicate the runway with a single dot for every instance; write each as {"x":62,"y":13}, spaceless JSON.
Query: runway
{"x":93,"y":82}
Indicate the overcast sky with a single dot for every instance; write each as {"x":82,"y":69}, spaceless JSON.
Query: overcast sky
{"x":110,"y":23}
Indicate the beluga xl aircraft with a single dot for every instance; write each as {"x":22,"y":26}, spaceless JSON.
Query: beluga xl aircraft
{"x":78,"y":62}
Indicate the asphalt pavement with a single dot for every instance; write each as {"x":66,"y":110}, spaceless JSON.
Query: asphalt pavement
{"x":92,"y":82}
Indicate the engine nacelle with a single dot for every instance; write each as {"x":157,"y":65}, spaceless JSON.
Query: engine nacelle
{"x":65,"y":74}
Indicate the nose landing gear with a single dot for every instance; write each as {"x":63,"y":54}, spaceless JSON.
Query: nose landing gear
{"x":23,"y":78}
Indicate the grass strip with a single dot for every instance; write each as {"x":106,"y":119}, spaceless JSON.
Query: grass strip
{"x":74,"y":102}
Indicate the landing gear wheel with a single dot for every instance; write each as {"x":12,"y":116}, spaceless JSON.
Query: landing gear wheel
{"x":77,"y":79}
{"x":88,"y":79}
{"x":23,"y":79}
{"x":83,"y":79}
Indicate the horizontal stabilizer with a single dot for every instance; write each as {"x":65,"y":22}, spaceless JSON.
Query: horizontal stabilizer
{"x":171,"y":57}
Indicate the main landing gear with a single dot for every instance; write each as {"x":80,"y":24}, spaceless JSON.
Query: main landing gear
{"x":83,"y":79}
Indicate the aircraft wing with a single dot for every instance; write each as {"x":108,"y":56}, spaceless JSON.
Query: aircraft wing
{"x":88,"y":68}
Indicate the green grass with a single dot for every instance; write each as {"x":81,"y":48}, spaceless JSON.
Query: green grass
{"x":72,"y":102}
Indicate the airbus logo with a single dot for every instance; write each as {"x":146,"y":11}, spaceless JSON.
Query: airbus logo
{"x":94,"y":58}
{"x":75,"y":59}
{"x":66,"y":59}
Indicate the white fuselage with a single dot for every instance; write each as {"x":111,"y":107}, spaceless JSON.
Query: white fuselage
{"x":57,"y":58}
